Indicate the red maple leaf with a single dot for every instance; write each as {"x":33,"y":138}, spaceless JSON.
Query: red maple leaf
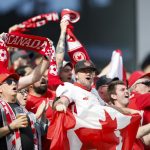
{"x":100,"y":139}
{"x":79,"y":57}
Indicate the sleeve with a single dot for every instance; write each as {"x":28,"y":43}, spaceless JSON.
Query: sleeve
{"x":143,"y":101}
{"x":65,"y":90}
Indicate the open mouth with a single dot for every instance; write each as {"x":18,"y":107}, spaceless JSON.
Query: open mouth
{"x":43,"y":82}
{"x":88,"y":78}
{"x":25,"y":99}
{"x":14,"y":89}
{"x":127,"y":96}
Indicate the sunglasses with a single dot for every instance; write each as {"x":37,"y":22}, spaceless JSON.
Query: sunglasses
{"x":147,"y":83}
{"x":9,"y":81}
{"x":24,"y":91}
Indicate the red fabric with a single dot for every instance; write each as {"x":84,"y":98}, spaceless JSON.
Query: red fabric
{"x":36,"y":21}
{"x":72,"y":16}
{"x":129,"y":133}
{"x":135,"y":76}
{"x":57,"y":131}
{"x":138,"y":145}
{"x":141,"y":102}
{"x":33,"y":103}
{"x":100,"y":139}
{"x":28,"y":42}
{"x":76,"y":50}
{"x":53,"y":82}
{"x":4,"y":56}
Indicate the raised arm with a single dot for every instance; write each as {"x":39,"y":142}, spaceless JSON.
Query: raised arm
{"x":35,"y":75}
{"x":60,"y":48}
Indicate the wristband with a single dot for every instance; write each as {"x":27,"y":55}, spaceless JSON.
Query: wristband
{"x":10,"y":129}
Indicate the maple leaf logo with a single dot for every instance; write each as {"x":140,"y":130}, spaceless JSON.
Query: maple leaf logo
{"x":99,"y":139}
{"x":78,"y":56}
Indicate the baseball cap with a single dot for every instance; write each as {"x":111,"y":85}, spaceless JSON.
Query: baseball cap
{"x":4,"y":76}
{"x":65,"y":63}
{"x":84,"y":64}
{"x":135,"y":76}
{"x":17,"y":54}
{"x":103,"y":80}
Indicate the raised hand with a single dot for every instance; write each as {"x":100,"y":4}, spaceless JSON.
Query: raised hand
{"x":41,"y":109}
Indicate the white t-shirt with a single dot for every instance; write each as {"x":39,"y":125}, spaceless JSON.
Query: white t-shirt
{"x":83,"y":99}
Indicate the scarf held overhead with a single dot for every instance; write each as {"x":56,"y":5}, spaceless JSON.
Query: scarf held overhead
{"x":76,"y":50}
{"x":34,"y":22}
{"x":38,"y":44}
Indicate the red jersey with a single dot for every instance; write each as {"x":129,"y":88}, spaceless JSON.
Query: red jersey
{"x":33,"y":103}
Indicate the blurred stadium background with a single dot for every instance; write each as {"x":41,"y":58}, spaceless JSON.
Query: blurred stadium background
{"x":105,"y":25}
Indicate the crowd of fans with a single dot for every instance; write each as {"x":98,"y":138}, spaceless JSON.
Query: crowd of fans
{"x":29,"y":96}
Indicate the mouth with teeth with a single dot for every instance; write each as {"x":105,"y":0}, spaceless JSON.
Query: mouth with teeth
{"x":127,"y":95}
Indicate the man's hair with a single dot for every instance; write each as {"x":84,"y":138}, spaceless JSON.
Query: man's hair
{"x":112,"y":89}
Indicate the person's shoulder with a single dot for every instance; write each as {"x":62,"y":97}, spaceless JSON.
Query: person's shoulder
{"x":66,"y":84}
{"x":145,"y":96}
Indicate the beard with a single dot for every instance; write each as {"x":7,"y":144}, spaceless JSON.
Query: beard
{"x":41,"y":89}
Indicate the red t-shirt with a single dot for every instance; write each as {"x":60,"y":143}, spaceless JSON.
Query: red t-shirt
{"x":138,"y":145}
{"x":33,"y":103}
{"x":141,"y":102}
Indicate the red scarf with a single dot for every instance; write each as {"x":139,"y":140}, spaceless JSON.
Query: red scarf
{"x":35,"y":22}
{"x":38,"y":44}
{"x":4,"y":56}
{"x":76,"y":50}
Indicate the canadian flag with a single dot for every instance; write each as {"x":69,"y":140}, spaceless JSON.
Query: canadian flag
{"x":103,"y":128}
{"x":117,"y":68}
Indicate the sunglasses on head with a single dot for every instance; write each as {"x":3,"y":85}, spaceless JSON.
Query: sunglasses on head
{"x":147,"y":83}
{"x":9,"y":81}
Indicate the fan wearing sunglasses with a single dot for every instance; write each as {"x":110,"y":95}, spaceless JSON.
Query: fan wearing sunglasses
{"x":139,"y":85}
{"x":15,"y":129}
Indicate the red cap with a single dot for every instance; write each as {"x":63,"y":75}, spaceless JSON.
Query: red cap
{"x":135,"y":76}
{"x":4,"y":76}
